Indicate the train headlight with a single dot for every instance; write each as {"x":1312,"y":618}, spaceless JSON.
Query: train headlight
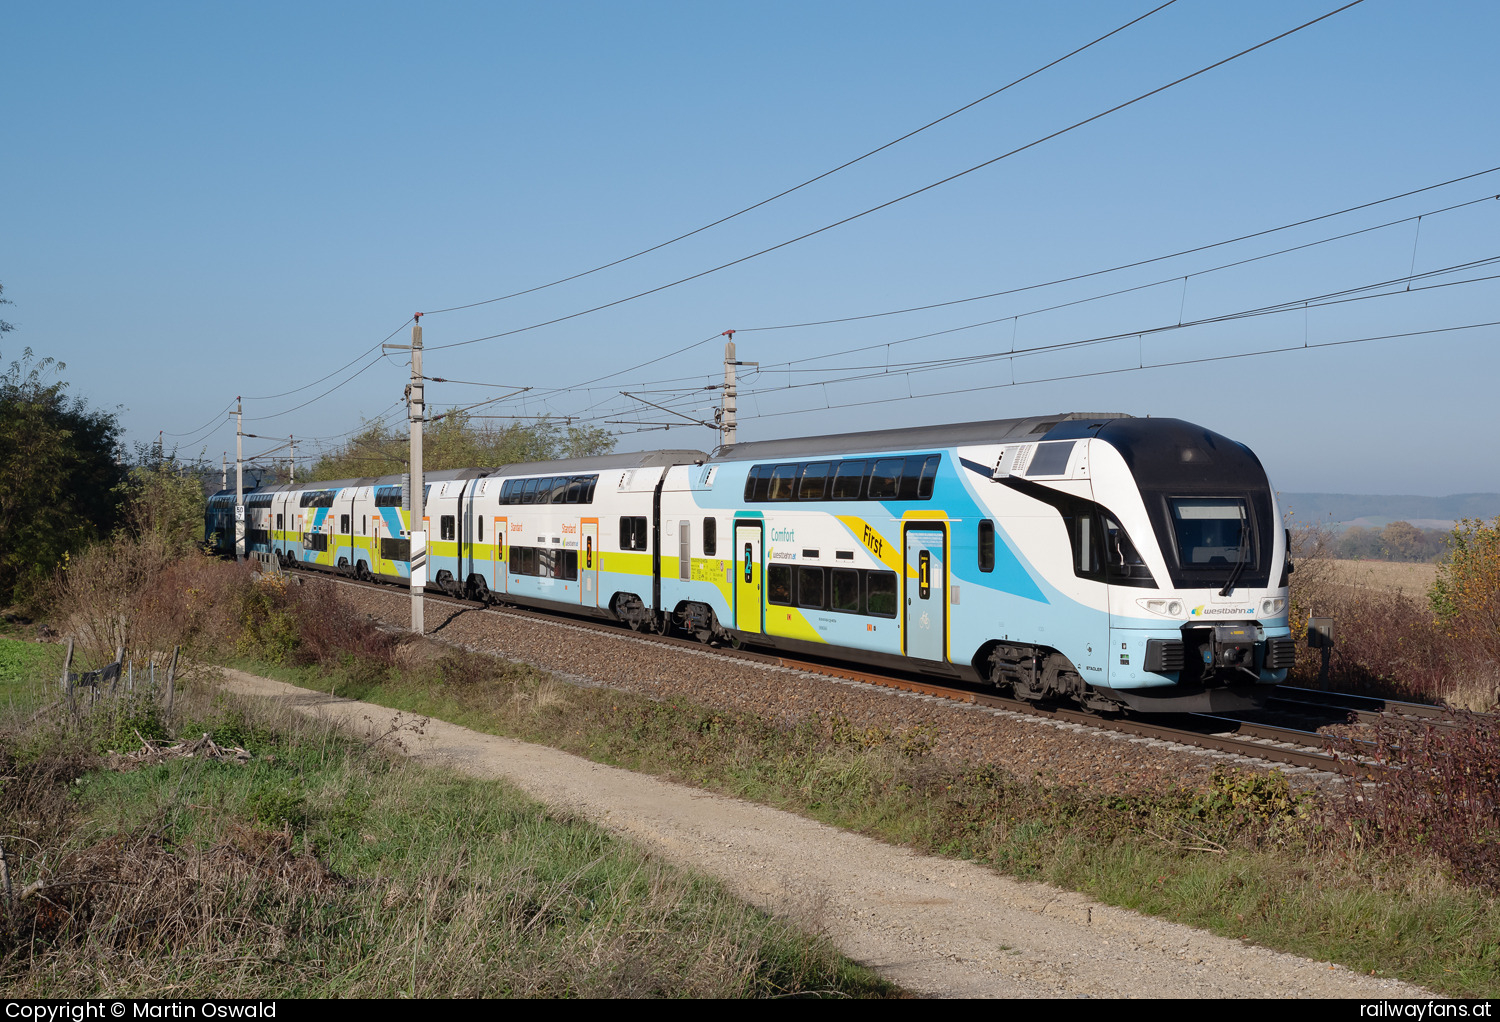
{"x":1272,"y":606}
{"x":1166,"y":608}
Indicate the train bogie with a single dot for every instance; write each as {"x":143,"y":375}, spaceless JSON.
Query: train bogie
{"x":1116,"y":562}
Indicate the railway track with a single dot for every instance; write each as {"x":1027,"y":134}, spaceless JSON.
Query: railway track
{"x":1263,"y":741}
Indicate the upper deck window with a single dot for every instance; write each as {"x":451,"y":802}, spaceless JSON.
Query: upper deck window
{"x":907,"y":478}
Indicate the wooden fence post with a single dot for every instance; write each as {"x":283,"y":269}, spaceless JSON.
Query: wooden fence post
{"x":67,"y":680}
{"x":172,"y":678}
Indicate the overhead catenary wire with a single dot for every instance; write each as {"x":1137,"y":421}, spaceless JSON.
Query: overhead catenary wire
{"x":276,"y":415}
{"x":901,"y":198}
{"x":784,"y":366}
{"x":1122,"y":266}
{"x":1343,"y":296}
{"x":346,"y":365}
{"x":812,"y":180}
{"x":218,"y":418}
{"x":1136,"y":368}
{"x":1320,"y":301}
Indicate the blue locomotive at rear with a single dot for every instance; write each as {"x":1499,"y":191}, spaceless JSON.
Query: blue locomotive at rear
{"x":1112,"y":561}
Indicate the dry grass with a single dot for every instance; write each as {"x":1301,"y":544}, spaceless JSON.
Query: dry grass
{"x":1388,"y":642}
{"x":1411,"y":580}
{"x":322,"y":869}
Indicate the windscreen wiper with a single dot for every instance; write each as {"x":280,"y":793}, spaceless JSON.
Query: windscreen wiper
{"x":1242,"y":555}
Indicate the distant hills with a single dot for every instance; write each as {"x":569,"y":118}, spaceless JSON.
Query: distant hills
{"x":1376,"y":511}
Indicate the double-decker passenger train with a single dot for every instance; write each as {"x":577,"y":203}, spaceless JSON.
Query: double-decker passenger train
{"x":1119,"y":562}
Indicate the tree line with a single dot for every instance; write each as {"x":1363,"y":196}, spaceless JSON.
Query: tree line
{"x":1398,"y":541}
{"x":67,"y":480}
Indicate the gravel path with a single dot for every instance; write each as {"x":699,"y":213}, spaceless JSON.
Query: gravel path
{"x":1024,"y":746}
{"x":935,"y":926}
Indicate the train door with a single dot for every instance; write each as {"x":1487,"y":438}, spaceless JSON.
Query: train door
{"x":588,"y":571}
{"x":926,"y":581}
{"x":749,"y":578}
{"x":499,"y":574}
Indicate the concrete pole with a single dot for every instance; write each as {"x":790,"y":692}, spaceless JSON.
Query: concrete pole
{"x":730,"y":393}
{"x":224,"y":471}
{"x":418,"y":529}
{"x":239,"y":479}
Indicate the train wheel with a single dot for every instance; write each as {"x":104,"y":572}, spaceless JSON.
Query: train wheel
{"x":362,"y":571}
{"x":477,"y":590}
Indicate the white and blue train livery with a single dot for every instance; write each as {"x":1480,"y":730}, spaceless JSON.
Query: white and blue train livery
{"x":1114,"y":561}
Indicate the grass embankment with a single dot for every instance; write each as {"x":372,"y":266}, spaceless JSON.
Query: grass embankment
{"x":324,"y":867}
{"x":1400,"y":883}
{"x":1245,"y":858}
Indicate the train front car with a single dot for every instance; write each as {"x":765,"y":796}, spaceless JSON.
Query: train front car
{"x":1158,"y":550}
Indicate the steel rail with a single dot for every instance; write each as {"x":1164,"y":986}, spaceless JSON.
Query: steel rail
{"x":1316,"y":752}
{"x":1366,"y":707}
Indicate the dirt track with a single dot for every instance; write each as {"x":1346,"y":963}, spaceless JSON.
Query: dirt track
{"x":937,"y":927}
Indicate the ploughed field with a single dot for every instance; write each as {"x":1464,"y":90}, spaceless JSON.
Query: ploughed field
{"x":1410,"y":579}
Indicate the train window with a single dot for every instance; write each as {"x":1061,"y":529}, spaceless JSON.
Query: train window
{"x":929,"y":476}
{"x":567,"y":565}
{"x":783,"y":480}
{"x":779,"y":584}
{"x":528,"y":491}
{"x":880,"y":593}
{"x":710,"y":537}
{"x":480,"y":524}
{"x":280,"y":522}
{"x":810,"y":588}
{"x":1084,"y":538}
{"x":684,"y":550}
{"x":761,"y":483}
{"x":633,"y":532}
{"x":750,"y":479}
{"x":845,"y":590}
{"x":814,"y":483}
{"x":344,"y":524}
{"x":588,"y":490}
{"x":910,"y":476}
{"x":446,"y":527}
{"x":559,"y":489}
{"x":1212,"y":531}
{"x":1122,"y":562}
{"x":986,"y":545}
{"x":885,"y":479}
{"x":849,"y":481}
{"x":575,"y":490}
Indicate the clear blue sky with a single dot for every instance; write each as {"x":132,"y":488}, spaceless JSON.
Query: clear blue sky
{"x":208,"y":200}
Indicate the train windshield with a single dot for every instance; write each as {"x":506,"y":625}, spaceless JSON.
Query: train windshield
{"x":1213,"y":531}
